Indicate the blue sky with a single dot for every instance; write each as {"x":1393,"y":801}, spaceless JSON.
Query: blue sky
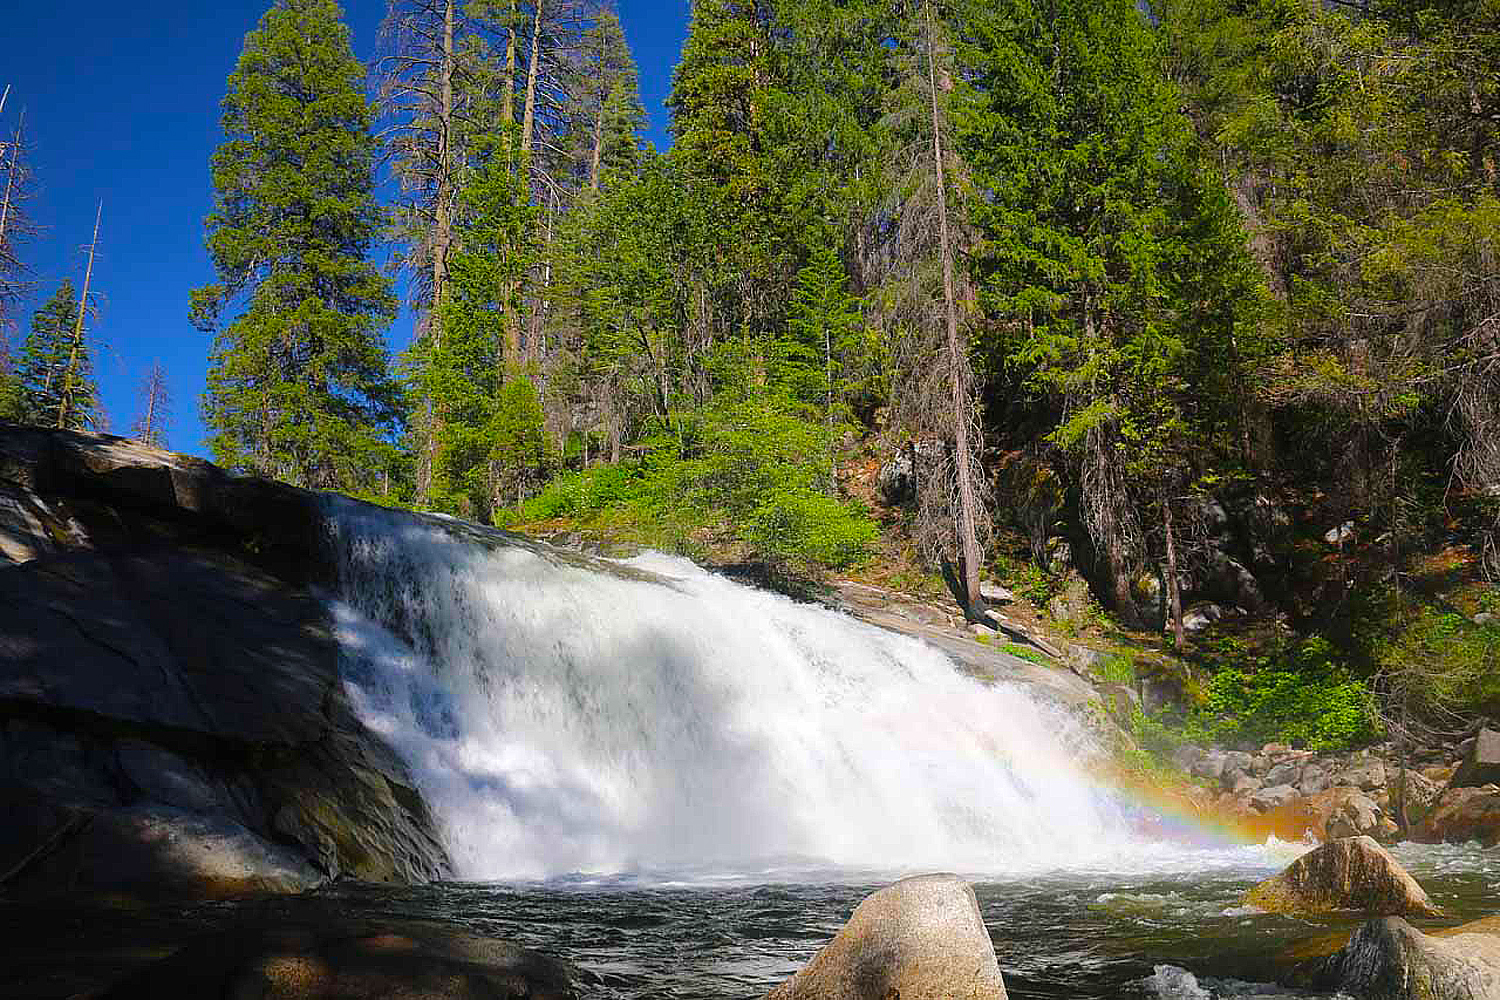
{"x":124,"y":107}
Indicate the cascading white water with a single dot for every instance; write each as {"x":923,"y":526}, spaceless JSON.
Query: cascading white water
{"x":563,"y":720}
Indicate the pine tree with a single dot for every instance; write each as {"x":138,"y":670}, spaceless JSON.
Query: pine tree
{"x":10,"y":383}
{"x":917,"y":236}
{"x":465,"y":374}
{"x":298,"y":384}
{"x":56,"y":368}
{"x":608,"y":117}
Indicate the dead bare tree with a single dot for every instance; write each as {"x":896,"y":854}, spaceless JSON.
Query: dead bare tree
{"x":910,"y":246}
{"x":68,"y":403}
{"x":423,"y":101}
{"x":15,"y":226}
{"x":156,"y":404}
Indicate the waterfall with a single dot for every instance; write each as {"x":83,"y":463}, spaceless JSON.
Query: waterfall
{"x":562,"y":719}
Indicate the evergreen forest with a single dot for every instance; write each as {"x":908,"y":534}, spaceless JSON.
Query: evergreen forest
{"x":1179,"y":318}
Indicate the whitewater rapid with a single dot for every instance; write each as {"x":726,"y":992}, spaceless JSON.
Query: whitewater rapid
{"x":563,"y":720}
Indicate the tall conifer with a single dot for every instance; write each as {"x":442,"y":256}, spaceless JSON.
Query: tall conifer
{"x":56,"y":381}
{"x":298,"y":385}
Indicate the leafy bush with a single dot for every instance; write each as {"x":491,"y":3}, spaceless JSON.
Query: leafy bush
{"x":754,"y":464}
{"x":1304,"y":698}
{"x":1439,"y":665}
{"x":802,"y":525}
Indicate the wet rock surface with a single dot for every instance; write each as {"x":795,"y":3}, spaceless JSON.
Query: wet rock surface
{"x":1389,"y":959}
{"x":172,"y":723}
{"x":920,"y":939}
{"x":1351,"y":875}
{"x":341,"y":959}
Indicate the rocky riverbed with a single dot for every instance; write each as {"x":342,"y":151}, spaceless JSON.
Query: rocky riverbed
{"x":1442,"y":794}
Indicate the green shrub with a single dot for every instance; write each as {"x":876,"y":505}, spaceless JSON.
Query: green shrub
{"x":791,"y":525}
{"x":1304,"y":698}
{"x":1439,"y":663}
{"x":1116,"y":668}
{"x":754,"y":466}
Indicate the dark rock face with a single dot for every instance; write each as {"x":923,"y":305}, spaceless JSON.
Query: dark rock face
{"x":1388,"y":959}
{"x":920,"y":939}
{"x":337,"y":961}
{"x":1355,"y":874}
{"x":172,"y":721}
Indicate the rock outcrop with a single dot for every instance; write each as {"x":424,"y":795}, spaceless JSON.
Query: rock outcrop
{"x":1481,"y":766}
{"x":409,"y":960}
{"x":1462,"y":815}
{"x":920,"y":939}
{"x":1388,"y":959}
{"x":172,"y":722}
{"x":1352,"y":875}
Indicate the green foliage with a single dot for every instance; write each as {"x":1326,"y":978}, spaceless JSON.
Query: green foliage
{"x":751,"y":464}
{"x":1027,"y":653}
{"x":485,"y":430}
{"x":1116,"y":668}
{"x":298,"y":383}
{"x":11,"y":409}
{"x":1304,"y":697}
{"x":54,"y":381}
{"x":520,"y":447}
{"x":609,"y":101}
{"x":1156,"y":737}
{"x":1439,"y":666}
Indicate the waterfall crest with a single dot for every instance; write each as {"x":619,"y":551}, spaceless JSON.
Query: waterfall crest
{"x":564,"y":720}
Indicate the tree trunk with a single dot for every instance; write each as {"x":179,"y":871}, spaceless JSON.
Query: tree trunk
{"x":511,"y":357}
{"x":150,"y":423}
{"x":598,"y":146}
{"x":529,"y":120}
{"x":969,"y":555}
{"x":1173,"y":590}
{"x":66,"y":401}
{"x":508,"y":105}
{"x":442,"y":237}
{"x":536,"y":345}
{"x":10,"y":178}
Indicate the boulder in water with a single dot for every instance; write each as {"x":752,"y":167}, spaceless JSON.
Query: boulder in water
{"x":159,"y":852}
{"x":1461,"y":815}
{"x":1354,"y":874}
{"x":920,"y":939}
{"x":1389,"y":959}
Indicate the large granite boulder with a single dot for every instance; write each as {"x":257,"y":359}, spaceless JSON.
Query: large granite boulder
{"x":172,"y":719}
{"x":1388,"y":959}
{"x":1462,"y":815}
{"x":1481,"y":765}
{"x":1351,"y":875}
{"x":920,"y":939}
{"x":407,"y":960}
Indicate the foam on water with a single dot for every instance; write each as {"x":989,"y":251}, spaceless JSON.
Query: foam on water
{"x":562,"y":720}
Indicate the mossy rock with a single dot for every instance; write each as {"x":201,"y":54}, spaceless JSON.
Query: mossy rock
{"x":1353,"y":875}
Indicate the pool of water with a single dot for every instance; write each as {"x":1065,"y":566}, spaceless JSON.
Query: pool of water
{"x":1152,"y":932}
